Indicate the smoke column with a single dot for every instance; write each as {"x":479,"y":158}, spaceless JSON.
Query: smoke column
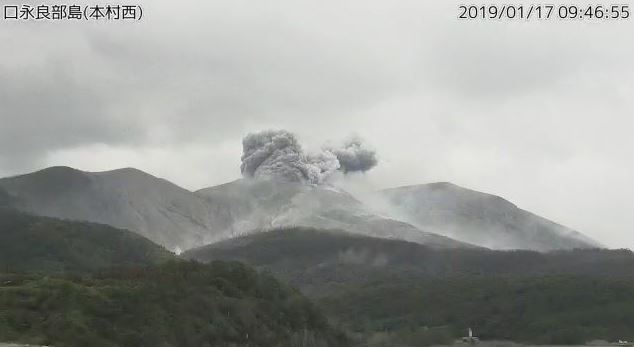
{"x":354,"y":157}
{"x":277,"y":154}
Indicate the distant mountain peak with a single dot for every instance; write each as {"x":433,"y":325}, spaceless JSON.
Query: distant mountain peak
{"x":260,"y":204}
{"x":454,"y":189}
{"x":125,"y":198}
{"x":479,"y":218}
{"x":71,"y":170}
{"x":56,"y":171}
{"x":126,"y":170}
{"x":59,"y":168}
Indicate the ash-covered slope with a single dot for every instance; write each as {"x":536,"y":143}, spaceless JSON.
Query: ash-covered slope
{"x":286,"y":186}
{"x":179,"y":219}
{"x":245,"y":205}
{"x":126,"y":198}
{"x":478,"y":218}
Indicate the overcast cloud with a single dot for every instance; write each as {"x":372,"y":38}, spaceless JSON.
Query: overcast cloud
{"x":540,"y":113}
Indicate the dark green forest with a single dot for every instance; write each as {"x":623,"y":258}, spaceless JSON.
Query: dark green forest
{"x":540,"y":310}
{"x":68,"y":283}
{"x":174,"y":304}
{"x":397,"y":292}
{"x":48,"y":245}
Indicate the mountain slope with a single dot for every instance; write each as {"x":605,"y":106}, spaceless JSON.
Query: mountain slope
{"x":478,"y":218}
{"x":396,"y":293}
{"x":437,"y":215}
{"x":245,"y":205}
{"x":41,"y":244}
{"x":5,"y":200}
{"x":179,"y":219}
{"x":315,"y":259}
{"x":125,"y":198}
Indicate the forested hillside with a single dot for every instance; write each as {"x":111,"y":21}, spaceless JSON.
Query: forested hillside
{"x":41,"y":244}
{"x":316,"y":257}
{"x":174,"y":304}
{"x":391,"y":292}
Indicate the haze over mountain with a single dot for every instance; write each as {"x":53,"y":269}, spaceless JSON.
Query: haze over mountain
{"x":440,"y":215}
{"x":478,"y":218}
{"x":125,"y":198}
{"x":249,"y":205}
{"x":179,"y":219}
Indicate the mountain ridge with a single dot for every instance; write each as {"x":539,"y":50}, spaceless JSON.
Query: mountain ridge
{"x":476,"y":217}
{"x":125,"y":198}
{"x":264,"y":204}
{"x":181,"y":219}
{"x":302,"y":254}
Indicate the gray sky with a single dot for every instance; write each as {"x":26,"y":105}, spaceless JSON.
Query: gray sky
{"x":538,"y":112}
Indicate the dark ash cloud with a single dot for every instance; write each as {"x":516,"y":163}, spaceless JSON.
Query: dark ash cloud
{"x":277,"y":154}
{"x":355,"y":157}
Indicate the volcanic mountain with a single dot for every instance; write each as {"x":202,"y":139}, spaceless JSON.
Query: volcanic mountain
{"x":246,"y":205}
{"x":179,"y":219}
{"x":437,"y":215}
{"x":126,"y":198}
{"x":478,"y":218}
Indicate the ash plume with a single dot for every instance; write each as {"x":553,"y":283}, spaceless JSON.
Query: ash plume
{"x":277,"y":154}
{"x":355,"y":157}
{"x":273,"y":153}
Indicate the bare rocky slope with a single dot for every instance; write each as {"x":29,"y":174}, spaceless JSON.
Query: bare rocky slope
{"x":179,"y":219}
{"x":127,"y":198}
{"x":478,"y":218}
{"x":246,"y":205}
{"x":438,"y":215}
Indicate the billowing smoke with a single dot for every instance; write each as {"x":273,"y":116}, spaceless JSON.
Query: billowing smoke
{"x":320,"y":166}
{"x":354,"y":157}
{"x":273,"y":153}
{"x":278,"y":154}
